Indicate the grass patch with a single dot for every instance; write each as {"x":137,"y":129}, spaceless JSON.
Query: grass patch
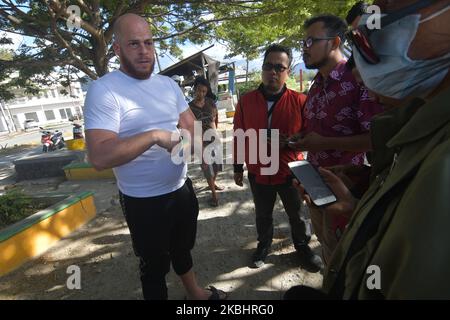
{"x":16,"y":205}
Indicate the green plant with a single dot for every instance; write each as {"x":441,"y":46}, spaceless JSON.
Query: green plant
{"x":14,"y":206}
{"x":254,"y":80}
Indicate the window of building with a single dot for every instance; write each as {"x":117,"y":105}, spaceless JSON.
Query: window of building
{"x":31,"y":116}
{"x":63,"y":114}
{"x":69,"y":113}
{"x":50,"y":115}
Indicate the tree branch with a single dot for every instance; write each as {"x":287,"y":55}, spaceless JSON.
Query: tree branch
{"x":197,"y":26}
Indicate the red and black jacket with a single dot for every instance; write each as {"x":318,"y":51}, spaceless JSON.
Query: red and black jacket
{"x":252,"y":113}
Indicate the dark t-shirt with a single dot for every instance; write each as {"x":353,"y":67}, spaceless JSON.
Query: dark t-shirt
{"x":207,"y":114}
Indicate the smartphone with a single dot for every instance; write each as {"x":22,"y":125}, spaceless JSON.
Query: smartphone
{"x":313,"y":183}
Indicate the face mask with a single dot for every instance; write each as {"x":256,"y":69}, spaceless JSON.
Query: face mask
{"x":396,"y":75}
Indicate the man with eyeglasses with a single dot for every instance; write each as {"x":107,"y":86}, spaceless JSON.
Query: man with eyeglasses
{"x":397,"y":244}
{"x":336,"y":116}
{"x":274,"y":106}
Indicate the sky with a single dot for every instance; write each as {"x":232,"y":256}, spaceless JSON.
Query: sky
{"x":17,"y":40}
{"x":218,"y":52}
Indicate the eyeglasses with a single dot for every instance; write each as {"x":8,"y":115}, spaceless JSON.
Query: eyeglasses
{"x":360,"y":37}
{"x":277,"y":67}
{"x":308,"y":42}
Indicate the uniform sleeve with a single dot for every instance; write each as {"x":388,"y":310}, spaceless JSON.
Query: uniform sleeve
{"x":366,"y":109}
{"x":101,"y":109}
{"x":414,"y":254}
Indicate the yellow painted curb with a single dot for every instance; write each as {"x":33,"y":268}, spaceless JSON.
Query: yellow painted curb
{"x":76,"y":144}
{"x":230,"y":114}
{"x":85,"y":171}
{"x":88,"y":173}
{"x":36,"y":234}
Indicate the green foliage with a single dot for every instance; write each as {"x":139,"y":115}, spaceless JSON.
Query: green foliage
{"x":292,"y":84}
{"x":254,"y":80}
{"x":14,"y":206}
{"x":246,"y":26}
{"x":283,"y":24}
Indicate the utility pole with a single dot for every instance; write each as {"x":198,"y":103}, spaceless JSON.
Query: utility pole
{"x":14,"y":128}
{"x":4,"y":116}
{"x":246,"y":71}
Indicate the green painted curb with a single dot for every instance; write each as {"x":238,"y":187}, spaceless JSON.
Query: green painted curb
{"x":39,"y":216}
{"x":78,"y":165}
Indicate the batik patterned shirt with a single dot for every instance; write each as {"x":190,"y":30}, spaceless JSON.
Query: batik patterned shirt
{"x":338,"y":107}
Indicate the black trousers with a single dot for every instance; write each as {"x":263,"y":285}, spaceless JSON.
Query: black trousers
{"x":163,"y":230}
{"x":264,"y":197}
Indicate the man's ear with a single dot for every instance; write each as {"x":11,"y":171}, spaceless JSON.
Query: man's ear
{"x":116,"y":48}
{"x":336,"y":43}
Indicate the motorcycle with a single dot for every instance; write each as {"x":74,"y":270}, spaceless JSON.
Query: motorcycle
{"x":46,"y":140}
{"x":58,"y":139}
{"x":77,"y":131}
{"x":51,"y":140}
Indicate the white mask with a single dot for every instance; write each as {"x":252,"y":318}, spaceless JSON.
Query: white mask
{"x":396,"y":75}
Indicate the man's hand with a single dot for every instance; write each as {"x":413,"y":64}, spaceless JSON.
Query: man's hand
{"x":311,"y":142}
{"x":301,"y":192}
{"x":238,"y":178}
{"x":350,"y":174}
{"x":282,"y":140}
{"x":345,"y":204}
{"x":166,"y":139}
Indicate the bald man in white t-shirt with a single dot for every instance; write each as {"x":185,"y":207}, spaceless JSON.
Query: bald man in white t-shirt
{"x":130,"y":117}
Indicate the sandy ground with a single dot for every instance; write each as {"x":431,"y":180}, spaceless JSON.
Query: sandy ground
{"x":226,"y":238}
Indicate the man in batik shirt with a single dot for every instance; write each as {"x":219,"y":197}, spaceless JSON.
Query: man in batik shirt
{"x":336,"y":117}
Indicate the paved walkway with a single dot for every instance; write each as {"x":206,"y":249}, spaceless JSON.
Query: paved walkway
{"x":226,"y":237}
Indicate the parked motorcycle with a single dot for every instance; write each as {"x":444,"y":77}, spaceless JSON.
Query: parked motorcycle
{"x":51,"y":141}
{"x":58,"y":139}
{"x":77,"y":131}
{"x":46,"y":140}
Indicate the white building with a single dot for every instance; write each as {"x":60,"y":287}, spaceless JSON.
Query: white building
{"x":50,"y":107}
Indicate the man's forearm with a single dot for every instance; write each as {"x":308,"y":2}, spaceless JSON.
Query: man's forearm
{"x":358,"y":143}
{"x":115,"y":151}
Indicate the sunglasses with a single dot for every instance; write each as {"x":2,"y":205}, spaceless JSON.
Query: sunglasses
{"x":277,"y":67}
{"x":360,"y":37}
{"x":308,"y":42}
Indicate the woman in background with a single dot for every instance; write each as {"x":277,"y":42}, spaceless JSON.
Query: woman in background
{"x":205,"y":110}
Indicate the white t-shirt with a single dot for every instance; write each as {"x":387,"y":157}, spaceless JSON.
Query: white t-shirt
{"x":128,"y":106}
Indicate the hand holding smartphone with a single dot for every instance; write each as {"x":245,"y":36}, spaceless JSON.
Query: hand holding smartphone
{"x":313,"y":183}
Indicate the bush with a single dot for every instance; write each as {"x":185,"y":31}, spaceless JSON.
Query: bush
{"x":14,"y":206}
{"x":254,"y":80}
